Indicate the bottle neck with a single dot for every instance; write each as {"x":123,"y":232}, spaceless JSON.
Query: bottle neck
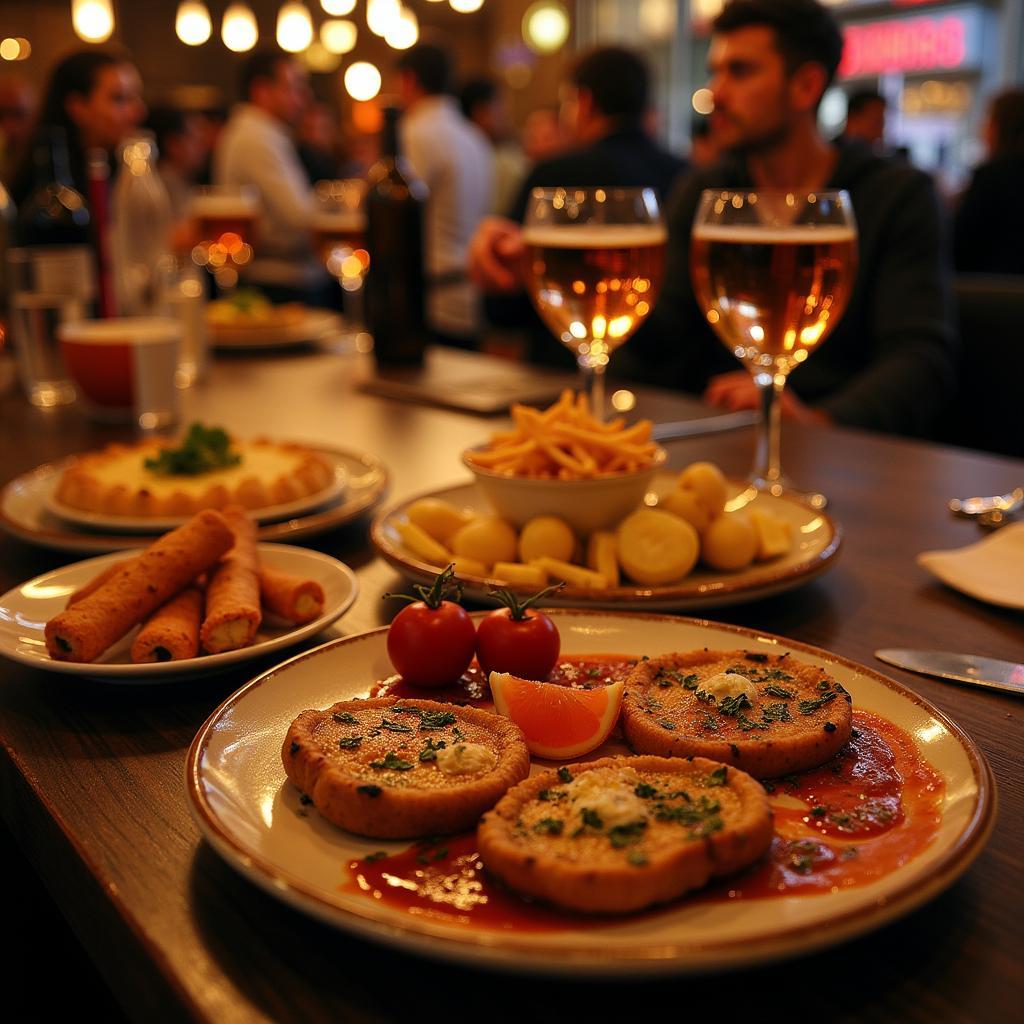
{"x":51,"y":159}
{"x":389,"y":136}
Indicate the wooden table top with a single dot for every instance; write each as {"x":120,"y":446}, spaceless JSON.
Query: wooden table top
{"x":91,"y":777}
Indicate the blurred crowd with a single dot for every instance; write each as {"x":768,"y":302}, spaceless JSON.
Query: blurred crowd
{"x":892,"y":363}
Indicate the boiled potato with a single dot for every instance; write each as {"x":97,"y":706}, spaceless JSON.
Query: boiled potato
{"x":730,"y":542}
{"x":705,"y":479}
{"x":774,"y":535}
{"x":488,"y":539}
{"x":546,"y":535}
{"x":656,"y":547}
{"x":574,"y":575}
{"x":420,"y":543}
{"x":441,"y":519}
{"x":602,"y":556}
{"x":687,"y":505}
{"x":520,"y":575}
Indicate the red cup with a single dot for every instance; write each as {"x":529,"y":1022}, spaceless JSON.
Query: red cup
{"x":124,"y":368}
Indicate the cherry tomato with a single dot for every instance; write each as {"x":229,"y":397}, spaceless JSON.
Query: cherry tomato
{"x":518,"y":639}
{"x":431,"y":641}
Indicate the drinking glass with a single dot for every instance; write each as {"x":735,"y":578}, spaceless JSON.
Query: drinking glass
{"x":339,"y":239}
{"x":772,"y":272}
{"x":595,"y":259}
{"x":225,"y":217}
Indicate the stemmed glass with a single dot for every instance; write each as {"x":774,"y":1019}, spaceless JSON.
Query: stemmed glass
{"x":772,"y":272}
{"x":225,"y":217}
{"x":595,"y":259}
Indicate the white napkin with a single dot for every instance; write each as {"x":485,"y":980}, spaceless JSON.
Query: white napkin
{"x":991,"y":570}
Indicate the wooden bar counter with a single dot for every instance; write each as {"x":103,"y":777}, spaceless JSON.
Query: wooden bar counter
{"x":92,"y":787}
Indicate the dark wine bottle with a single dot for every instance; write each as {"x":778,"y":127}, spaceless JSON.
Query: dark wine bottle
{"x":396,"y":282}
{"x":53,"y":222}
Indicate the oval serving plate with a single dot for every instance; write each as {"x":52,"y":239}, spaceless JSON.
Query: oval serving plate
{"x":24,"y":512}
{"x":253,"y":818}
{"x":818,"y":539}
{"x":25,"y":610}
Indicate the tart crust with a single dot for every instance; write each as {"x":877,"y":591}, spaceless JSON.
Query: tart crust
{"x":115,"y":481}
{"x":700,"y":820}
{"x":798,"y":718}
{"x":372,"y":766}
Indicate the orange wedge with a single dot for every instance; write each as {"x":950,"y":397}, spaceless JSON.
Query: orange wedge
{"x":558,"y":722}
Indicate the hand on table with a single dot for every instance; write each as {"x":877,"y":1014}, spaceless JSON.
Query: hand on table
{"x":495,"y":255}
{"x":737,"y":390}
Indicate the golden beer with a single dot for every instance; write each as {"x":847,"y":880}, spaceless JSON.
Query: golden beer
{"x":594,"y":284}
{"x":229,"y":221}
{"x":773,"y":294}
{"x":337,"y":235}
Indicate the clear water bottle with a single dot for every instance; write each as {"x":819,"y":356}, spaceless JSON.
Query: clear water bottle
{"x":140,"y":241}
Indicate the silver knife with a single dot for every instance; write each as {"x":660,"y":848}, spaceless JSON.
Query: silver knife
{"x":962,"y":668}
{"x":718,"y":424}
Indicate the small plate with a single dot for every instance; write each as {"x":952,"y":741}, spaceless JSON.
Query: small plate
{"x":24,"y":508}
{"x":315,"y":325}
{"x":25,"y":610}
{"x":991,"y":570}
{"x":151,"y":524}
{"x":818,"y":539}
{"x":252,"y":816}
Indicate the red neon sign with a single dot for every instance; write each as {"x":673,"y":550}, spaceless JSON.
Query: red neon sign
{"x":917,"y":44}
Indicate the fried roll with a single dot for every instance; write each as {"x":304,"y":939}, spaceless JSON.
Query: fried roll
{"x":291,"y":597}
{"x":85,"y":630}
{"x":171,"y":633}
{"x":96,"y":582}
{"x":233,"y":594}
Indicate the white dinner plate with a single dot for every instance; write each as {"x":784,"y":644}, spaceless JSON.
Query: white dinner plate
{"x":252,"y":816}
{"x":25,"y":610}
{"x":25,"y":512}
{"x":153,"y":524}
{"x":315,"y":325}
{"x":817,"y":540}
{"x":991,"y":569}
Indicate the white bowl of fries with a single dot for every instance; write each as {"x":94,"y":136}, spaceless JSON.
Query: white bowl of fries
{"x":563,"y":462}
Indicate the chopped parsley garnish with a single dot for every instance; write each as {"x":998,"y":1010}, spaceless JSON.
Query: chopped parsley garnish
{"x":549,"y":826}
{"x":564,"y":775}
{"x":775,"y":712}
{"x":428,"y":719}
{"x":591,"y":818}
{"x":707,"y":722}
{"x":349,"y":742}
{"x":717,"y":777}
{"x":203,"y":449}
{"x":458,"y":735}
{"x":708,"y":698}
{"x":626,"y":835}
{"x":645,"y":791}
{"x":666,"y":724}
{"x":746,"y":724}
{"x":752,"y":656}
{"x":824,"y":686}
{"x":808,"y":707}
{"x":777,"y":691}
{"x":392,"y":762}
{"x":386,"y":723}
{"x":345,"y":718}
{"x":819,"y":811}
{"x":429,"y":752}
{"x":776,"y":673}
{"x":732,"y":705}
{"x":370,"y":791}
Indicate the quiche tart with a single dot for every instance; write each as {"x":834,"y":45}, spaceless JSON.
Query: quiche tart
{"x":767,"y":714}
{"x":121,"y":480}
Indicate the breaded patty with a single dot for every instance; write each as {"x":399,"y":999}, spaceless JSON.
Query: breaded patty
{"x":767,"y":714}
{"x":397,"y":769}
{"x":622,"y":833}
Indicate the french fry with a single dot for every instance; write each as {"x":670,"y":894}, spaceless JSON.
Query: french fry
{"x":574,"y":575}
{"x":519,"y":575}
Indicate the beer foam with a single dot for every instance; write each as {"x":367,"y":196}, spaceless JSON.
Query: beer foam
{"x":595,"y":236}
{"x":345,"y":221}
{"x":222,"y":206}
{"x":139,"y":330}
{"x":795,"y":234}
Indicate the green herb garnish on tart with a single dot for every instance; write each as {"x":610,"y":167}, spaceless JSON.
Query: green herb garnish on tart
{"x":203,"y":449}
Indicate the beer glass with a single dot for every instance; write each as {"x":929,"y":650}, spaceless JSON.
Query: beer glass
{"x":225,"y":217}
{"x":772,"y":272}
{"x":595,"y":259}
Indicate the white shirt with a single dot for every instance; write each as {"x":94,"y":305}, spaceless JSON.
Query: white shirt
{"x":455,"y":161}
{"x":256,"y":149}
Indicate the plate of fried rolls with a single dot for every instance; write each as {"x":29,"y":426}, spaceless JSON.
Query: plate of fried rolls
{"x":199,"y":598}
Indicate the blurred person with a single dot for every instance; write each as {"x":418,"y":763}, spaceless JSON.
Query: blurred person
{"x":257,"y":148}
{"x":182,"y":153}
{"x":317,"y":142}
{"x":888,"y":365}
{"x":96,"y":96}
{"x":18,"y":101}
{"x":704,"y":151}
{"x":454,"y":160}
{"x":865,"y":118}
{"x":989,"y":221}
{"x":483,"y":103}
{"x":542,"y":134}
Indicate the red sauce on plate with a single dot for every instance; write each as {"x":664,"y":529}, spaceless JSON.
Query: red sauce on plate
{"x":872,"y":808}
